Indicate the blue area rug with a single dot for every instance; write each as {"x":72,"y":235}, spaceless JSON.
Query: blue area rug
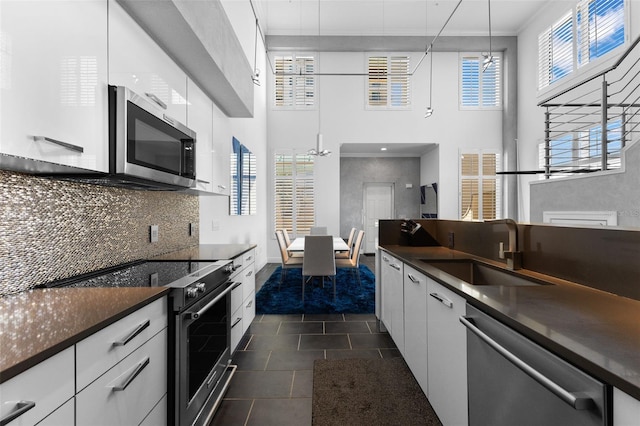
{"x":350,"y":297}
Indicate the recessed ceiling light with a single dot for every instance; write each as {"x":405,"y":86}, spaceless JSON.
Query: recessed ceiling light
{"x":383,"y":149}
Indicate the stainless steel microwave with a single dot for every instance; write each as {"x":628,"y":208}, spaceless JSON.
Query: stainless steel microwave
{"x":145,"y":144}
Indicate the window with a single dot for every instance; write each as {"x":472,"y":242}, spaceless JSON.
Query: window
{"x":480,"y":89}
{"x":479,"y":185}
{"x":295,"y":83}
{"x":599,"y":28}
{"x":243,"y":197}
{"x":388,"y":84}
{"x":555,"y":51}
{"x":294,"y":206}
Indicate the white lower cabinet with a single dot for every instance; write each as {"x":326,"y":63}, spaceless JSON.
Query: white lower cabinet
{"x":626,"y":409}
{"x":157,"y":416}
{"x":40,"y":391}
{"x":130,"y":390}
{"x":393,"y":299}
{"x":447,"y":354}
{"x":62,"y":416}
{"x":415,"y":324}
{"x":243,"y":296}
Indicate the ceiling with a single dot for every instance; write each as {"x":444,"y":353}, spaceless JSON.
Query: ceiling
{"x":392,"y":149}
{"x":394,"y":17}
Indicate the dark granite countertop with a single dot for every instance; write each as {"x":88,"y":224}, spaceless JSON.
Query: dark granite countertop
{"x":206,"y":252}
{"x":596,"y":331}
{"x":39,"y":323}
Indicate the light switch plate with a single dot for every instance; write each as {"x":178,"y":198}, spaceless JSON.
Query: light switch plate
{"x":153,"y":233}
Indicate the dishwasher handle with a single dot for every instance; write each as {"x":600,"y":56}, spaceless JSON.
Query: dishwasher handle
{"x":576,"y":400}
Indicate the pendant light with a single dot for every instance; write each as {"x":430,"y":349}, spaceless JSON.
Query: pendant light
{"x":318,"y":150}
{"x":488,"y":58}
{"x":429,"y":112}
{"x":256,"y":72}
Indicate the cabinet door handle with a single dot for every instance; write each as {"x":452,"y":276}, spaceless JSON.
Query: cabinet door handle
{"x":67,"y":145}
{"x":127,"y":381}
{"x":395,"y":266}
{"x":133,"y":334}
{"x":202,"y":181}
{"x":20,"y":408}
{"x":156,"y":99}
{"x":413,"y":279}
{"x":222,"y":186}
{"x":446,"y":302}
{"x":236,"y":322}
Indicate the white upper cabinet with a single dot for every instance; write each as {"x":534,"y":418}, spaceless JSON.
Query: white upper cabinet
{"x":200,"y":120}
{"x":53,"y":77}
{"x":137,"y":62}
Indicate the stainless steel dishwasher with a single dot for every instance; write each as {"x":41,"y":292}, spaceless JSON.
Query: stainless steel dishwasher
{"x":513,"y":381}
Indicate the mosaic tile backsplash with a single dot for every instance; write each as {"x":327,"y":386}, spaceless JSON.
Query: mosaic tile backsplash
{"x":52,"y":229}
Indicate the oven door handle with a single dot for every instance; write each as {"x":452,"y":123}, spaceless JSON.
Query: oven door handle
{"x":196,"y":315}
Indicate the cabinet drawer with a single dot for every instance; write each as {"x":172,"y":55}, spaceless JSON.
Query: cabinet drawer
{"x":64,"y":415}
{"x":249,"y":311}
{"x":48,"y":385}
{"x":248,"y":281}
{"x":248,"y":257}
{"x":236,"y":297}
{"x":158,"y":416}
{"x":130,"y":390}
{"x":236,"y":328}
{"x":102,"y":350}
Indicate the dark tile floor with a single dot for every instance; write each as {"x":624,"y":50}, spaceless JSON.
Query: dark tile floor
{"x":274,"y":381}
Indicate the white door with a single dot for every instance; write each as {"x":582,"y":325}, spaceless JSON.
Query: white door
{"x":378,"y":204}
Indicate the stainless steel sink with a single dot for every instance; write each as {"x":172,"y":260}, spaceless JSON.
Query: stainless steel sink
{"x":477,"y":273}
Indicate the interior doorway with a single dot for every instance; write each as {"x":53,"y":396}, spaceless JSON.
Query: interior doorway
{"x":378,"y":204}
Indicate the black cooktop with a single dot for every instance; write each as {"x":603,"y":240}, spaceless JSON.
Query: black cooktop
{"x":136,"y":274}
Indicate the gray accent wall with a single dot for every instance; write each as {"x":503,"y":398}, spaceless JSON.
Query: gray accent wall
{"x":609,"y":191}
{"x":356,"y":171}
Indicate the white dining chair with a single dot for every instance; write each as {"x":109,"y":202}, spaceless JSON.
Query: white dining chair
{"x":287,"y":261}
{"x":347,"y":254}
{"x":318,"y":230}
{"x":353,"y":263}
{"x":318,"y":260}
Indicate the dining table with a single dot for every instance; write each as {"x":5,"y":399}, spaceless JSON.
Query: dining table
{"x":298,"y":245}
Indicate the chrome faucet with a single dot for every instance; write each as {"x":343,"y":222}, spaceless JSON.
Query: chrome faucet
{"x":513,"y":256}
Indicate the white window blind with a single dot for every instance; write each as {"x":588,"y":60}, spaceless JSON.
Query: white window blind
{"x":600,"y":28}
{"x":294,"y":81}
{"x":555,"y":51}
{"x":388,"y":83}
{"x":480,"y":89}
{"x":294,"y":193}
{"x":480,"y":194}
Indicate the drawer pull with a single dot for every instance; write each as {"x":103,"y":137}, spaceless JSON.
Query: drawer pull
{"x":67,"y":145}
{"x":203,"y":181}
{"x":236,"y":322}
{"x":385,"y":258}
{"x":133,"y":334}
{"x":137,"y":370}
{"x":446,"y":302}
{"x":20,"y":408}
{"x":249,"y":259}
{"x":222,"y":187}
{"x":250,"y":303}
{"x":413,"y":279}
{"x":249,"y":274}
{"x":157,"y":100}
{"x":395,"y":266}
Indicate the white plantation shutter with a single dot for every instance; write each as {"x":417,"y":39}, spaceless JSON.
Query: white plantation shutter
{"x":388,"y":83}
{"x":600,"y":28}
{"x":480,"y":89}
{"x":555,"y":51}
{"x":480,"y":194}
{"x":294,"y":193}
{"x":294,"y":81}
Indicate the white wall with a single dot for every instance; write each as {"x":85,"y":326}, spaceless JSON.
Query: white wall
{"x":530,"y":116}
{"x":344,"y":119}
{"x":216,"y":225}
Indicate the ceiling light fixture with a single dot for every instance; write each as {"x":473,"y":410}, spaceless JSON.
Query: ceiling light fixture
{"x":488,"y":58}
{"x":319,"y":150}
{"x":429,"y":112}
{"x":256,"y":72}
